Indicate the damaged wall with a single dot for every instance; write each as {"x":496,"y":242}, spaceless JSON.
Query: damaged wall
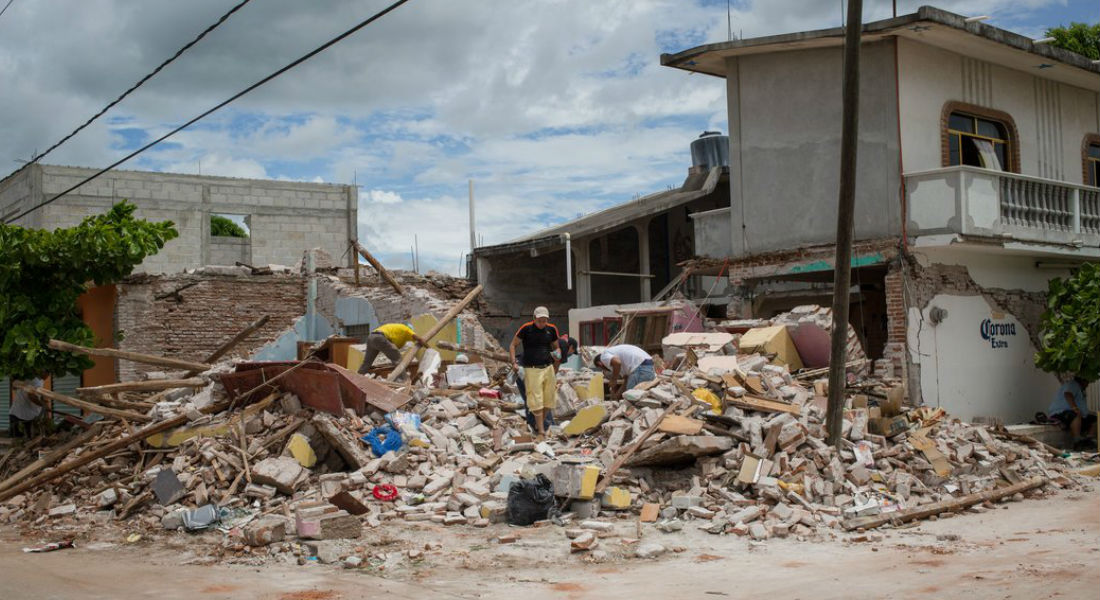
{"x":207,"y":314}
{"x":516,"y":283}
{"x":972,"y":344}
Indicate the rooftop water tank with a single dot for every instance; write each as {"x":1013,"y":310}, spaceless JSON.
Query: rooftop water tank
{"x":711,"y":149}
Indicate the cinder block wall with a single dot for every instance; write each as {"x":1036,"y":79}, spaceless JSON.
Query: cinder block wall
{"x":286,"y":218}
{"x":211,"y":313}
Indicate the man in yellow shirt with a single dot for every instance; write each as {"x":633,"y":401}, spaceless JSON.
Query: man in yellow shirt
{"x":387,"y":339}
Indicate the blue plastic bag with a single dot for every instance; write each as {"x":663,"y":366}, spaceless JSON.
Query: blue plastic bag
{"x":382,"y":440}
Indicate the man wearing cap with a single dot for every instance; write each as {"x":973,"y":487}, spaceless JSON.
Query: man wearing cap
{"x":387,"y":339}
{"x":629,"y":366}
{"x":540,"y":357}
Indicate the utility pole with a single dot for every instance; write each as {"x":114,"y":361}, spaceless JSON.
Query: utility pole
{"x":842,"y":276}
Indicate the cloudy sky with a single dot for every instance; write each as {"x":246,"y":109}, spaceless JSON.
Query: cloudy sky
{"x":555,"y":108}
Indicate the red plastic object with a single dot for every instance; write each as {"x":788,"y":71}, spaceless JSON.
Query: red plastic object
{"x":488,"y":393}
{"x":385,"y":492}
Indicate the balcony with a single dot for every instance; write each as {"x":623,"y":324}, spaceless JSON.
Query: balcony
{"x":981,"y":202}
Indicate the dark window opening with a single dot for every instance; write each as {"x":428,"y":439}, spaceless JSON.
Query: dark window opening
{"x":977,"y":142}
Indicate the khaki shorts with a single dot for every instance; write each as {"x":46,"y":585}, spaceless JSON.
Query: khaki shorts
{"x":541,"y":389}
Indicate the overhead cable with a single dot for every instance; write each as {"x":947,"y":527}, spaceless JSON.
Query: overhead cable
{"x":221,"y":20}
{"x":259,"y":83}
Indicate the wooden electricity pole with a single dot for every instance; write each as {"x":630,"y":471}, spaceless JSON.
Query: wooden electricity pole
{"x":842,"y":276}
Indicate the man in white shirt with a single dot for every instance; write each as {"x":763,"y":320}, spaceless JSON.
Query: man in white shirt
{"x":629,"y":366}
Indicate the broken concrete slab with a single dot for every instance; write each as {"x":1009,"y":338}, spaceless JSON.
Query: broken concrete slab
{"x":283,"y":473}
{"x":167,"y":487}
{"x":681,"y":449}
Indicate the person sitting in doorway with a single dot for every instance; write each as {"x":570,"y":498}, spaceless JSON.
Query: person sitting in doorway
{"x":25,"y":412}
{"x":629,"y":366}
{"x":388,"y":339}
{"x":1071,"y":411}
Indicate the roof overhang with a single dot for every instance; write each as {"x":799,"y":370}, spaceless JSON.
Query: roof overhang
{"x":928,"y":25}
{"x":606,"y":220}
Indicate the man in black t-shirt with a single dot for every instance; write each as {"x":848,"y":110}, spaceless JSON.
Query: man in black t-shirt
{"x":540,"y":358}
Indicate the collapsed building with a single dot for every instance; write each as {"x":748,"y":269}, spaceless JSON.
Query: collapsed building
{"x":976,"y":185}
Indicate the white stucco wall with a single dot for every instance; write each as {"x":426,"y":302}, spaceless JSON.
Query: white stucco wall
{"x":965,"y":373}
{"x":1052,"y":118}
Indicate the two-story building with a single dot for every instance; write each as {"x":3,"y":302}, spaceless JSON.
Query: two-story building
{"x":978,"y":161}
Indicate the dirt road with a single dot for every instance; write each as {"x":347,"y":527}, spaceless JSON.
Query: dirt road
{"x":1033,"y":549}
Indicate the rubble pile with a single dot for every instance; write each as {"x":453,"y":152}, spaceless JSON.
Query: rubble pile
{"x":737,"y":447}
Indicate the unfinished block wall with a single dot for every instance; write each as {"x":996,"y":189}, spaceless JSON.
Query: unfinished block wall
{"x":285,"y":217}
{"x":205,"y":316}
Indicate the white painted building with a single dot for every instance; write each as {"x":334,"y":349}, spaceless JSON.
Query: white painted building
{"x":978,"y":159}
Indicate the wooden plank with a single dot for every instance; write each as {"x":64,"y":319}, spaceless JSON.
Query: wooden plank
{"x":147,"y":359}
{"x":935,"y":508}
{"x":54,"y":456}
{"x":447,"y":318}
{"x":84,"y":404}
{"x":497,"y":356}
{"x":153,"y":385}
{"x":763,"y":405}
{"x":634,"y":446}
{"x":680,"y":425}
{"x":106,"y":450}
{"x":378,"y":267}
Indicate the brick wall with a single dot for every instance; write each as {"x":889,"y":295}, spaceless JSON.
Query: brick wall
{"x":211,"y":312}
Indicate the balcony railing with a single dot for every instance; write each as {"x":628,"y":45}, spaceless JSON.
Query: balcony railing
{"x":982,"y":202}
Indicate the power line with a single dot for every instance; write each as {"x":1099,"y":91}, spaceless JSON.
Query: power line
{"x":5,"y":9}
{"x":288,"y":67}
{"x":223,"y":18}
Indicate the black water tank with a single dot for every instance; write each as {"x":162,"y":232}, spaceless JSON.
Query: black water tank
{"x":712,"y":149}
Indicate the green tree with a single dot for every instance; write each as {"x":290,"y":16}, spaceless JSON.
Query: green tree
{"x":1070,"y":338}
{"x":1081,"y":38}
{"x":222,"y":226}
{"x":42,"y":273}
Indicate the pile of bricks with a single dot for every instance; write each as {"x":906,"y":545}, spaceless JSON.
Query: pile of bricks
{"x":732,"y":450}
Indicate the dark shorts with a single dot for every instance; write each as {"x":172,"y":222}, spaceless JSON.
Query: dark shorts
{"x":1066,"y":417}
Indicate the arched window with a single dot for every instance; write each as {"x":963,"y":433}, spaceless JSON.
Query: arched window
{"x":978,"y":142}
{"x":1091,"y":157}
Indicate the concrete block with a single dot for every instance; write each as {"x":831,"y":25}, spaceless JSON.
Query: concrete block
{"x":615,"y":498}
{"x":301,"y":450}
{"x":267,"y":530}
{"x":586,"y":419}
{"x":283,"y":473}
{"x":684,"y":501}
{"x":575,"y":481}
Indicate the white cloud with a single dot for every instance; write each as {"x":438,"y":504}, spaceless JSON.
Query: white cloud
{"x":554,"y":108}
{"x":384,"y":197}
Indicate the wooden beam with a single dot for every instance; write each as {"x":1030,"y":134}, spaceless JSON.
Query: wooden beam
{"x":378,"y":267}
{"x":497,"y":356}
{"x":447,"y":318}
{"x":232,"y":343}
{"x":153,"y":385}
{"x":147,"y":359}
{"x":763,"y":405}
{"x":106,"y":450}
{"x":84,"y":404}
{"x":54,"y":456}
{"x":635,"y":445}
{"x":935,"y":508}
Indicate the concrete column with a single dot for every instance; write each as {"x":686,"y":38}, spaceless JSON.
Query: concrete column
{"x":583,"y":281}
{"x":353,"y":221}
{"x":739,"y":244}
{"x":204,"y":216}
{"x":643,"y":259}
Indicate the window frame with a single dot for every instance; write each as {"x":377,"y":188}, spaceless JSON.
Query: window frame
{"x":1090,"y":167}
{"x":1001,"y":118}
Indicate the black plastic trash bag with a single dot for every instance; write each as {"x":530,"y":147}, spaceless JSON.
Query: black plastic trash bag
{"x":530,"y":500}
